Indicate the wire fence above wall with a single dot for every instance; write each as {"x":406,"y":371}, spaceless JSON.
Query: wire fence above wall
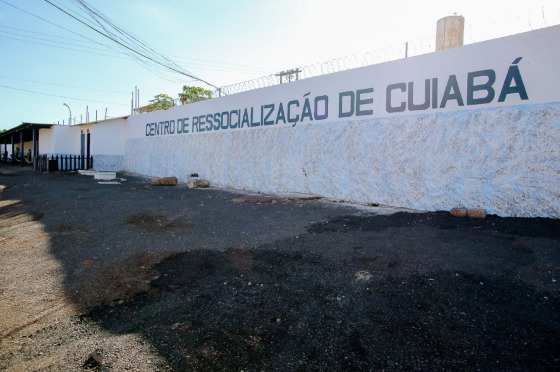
{"x":348,"y":62}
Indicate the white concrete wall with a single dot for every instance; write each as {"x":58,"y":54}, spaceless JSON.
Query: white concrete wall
{"x":65,"y":139}
{"x":46,"y":141}
{"x":501,"y":155}
{"x":505,"y":160}
{"x":108,"y":138}
{"x":107,"y":141}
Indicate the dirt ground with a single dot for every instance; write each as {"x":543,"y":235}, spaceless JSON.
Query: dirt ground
{"x":136,"y":277}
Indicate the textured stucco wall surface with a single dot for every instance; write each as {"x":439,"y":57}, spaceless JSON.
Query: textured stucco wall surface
{"x":506,"y":160}
{"x":108,"y":162}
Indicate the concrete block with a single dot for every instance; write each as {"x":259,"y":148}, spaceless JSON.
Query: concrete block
{"x":476,"y":213}
{"x":88,"y":172}
{"x":459,"y":212}
{"x":105,"y":176}
{"x":164,"y":181}
{"x":197,"y":183}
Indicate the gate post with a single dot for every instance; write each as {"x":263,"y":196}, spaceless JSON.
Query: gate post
{"x":21,"y":152}
{"x":33,"y":148}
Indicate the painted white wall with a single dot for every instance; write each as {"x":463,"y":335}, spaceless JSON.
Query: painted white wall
{"x":537,"y":62}
{"x":46,"y":141}
{"x":506,"y":160}
{"x":501,"y":156}
{"x":65,"y":139}
{"x":107,"y":138}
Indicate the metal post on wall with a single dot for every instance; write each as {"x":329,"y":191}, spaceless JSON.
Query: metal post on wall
{"x":21,"y":152}
{"x":88,"y":149}
{"x":82,"y":147}
{"x":136,"y":92}
{"x":69,"y":114}
{"x":36,"y":143}
{"x":33,"y":147}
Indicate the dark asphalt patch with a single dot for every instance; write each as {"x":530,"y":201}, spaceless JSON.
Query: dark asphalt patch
{"x":116,"y":282}
{"x":158,"y":222}
{"x":529,"y":227}
{"x":299,"y":288}
{"x":298,"y":311}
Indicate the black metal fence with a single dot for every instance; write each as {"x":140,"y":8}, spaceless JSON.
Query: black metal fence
{"x":63,"y":163}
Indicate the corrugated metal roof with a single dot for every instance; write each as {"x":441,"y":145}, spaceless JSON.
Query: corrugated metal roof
{"x":5,"y":137}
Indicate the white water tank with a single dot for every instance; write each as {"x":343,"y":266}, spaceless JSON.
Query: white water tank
{"x":450,"y":32}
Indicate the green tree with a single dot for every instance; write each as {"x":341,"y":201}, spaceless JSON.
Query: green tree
{"x":161,"y":101}
{"x":194,"y":94}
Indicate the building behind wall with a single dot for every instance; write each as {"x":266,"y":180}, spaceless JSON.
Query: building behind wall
{"x":20,"y":144}
{"x":107,"y":140}
{"x":104,"y":140}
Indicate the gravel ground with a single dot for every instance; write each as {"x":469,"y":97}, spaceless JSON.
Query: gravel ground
{"x":115,"y":277}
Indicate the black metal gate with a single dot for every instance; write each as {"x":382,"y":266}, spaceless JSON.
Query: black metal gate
{"x":63,"y":163}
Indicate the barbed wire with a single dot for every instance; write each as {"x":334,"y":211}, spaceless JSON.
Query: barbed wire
{"x":347,"y":62}
{"x":541,"y":16}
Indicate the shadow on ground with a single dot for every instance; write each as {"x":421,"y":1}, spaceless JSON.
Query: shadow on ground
{"x":216,"y":285}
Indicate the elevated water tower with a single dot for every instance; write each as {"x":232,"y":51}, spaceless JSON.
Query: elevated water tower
{"x":450,"y":32}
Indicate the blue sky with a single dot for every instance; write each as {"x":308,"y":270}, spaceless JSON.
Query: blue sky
{"x":221,"y":41}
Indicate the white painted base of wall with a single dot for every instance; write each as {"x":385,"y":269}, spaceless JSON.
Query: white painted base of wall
{"x":505,"y":160}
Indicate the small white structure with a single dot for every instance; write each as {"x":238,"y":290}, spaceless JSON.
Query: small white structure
{"x":104,"y":140}
{"x":86,"y":172}
{"x":105,"y":176}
